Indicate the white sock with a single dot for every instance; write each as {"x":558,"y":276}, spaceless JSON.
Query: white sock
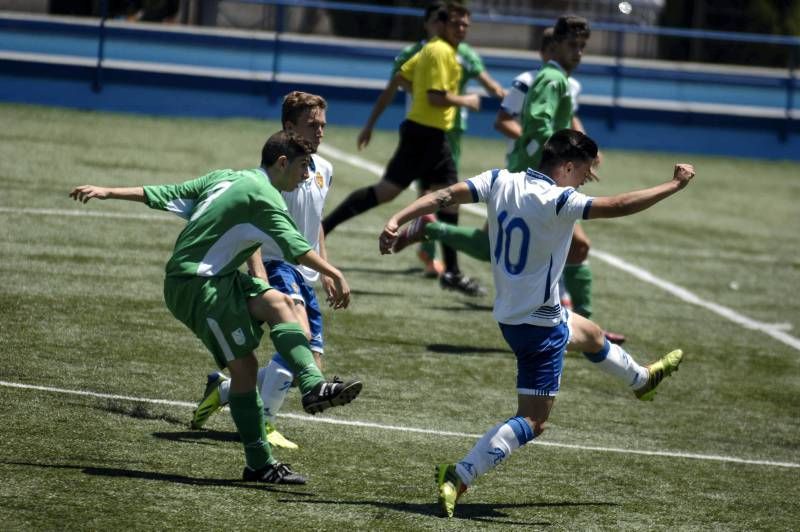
{"x":493,"y":448}
{"x":224,"y":391}
{"x":617,"y":362}
{"x":274,"y":382}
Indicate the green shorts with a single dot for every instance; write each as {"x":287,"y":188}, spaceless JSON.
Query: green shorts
{"x":215,"y":309}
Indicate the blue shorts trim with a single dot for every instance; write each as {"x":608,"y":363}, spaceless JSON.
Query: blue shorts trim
{"x":540,"y":356}
{"x":287,"y":279}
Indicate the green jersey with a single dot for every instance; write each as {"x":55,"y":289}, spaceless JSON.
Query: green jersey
{"x":547,"y":109}
{"x":471,"y":66}
{"x":231,"y":214}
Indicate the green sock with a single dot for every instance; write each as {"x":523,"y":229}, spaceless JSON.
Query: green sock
{"x":578,"y":278}
{"x":291,"y":342}
{"x":429,"y":248}
{"x":470,"y":240}
{"x":247,"y":412}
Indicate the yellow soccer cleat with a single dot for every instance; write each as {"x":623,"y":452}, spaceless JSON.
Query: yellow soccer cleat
{"x":449,"y":486}
{"x":210,"y":403}
{"x":663,"y":367}
{"x":276,"y":439}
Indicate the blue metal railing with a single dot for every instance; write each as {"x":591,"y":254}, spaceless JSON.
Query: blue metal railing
{"x":620,"y":30}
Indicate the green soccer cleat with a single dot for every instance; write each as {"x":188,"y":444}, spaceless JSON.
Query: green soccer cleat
{"x":663,"y":367}
{"x":211,"y":402}
{"x":450,"y":487}
{"x":276,"y":439}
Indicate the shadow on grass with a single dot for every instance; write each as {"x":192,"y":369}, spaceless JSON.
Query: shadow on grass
{"x":198,"y":436}
{"x":447,"y":349}
{"x":374,"y":293}
{"x":114,"y":472}
{"x":484,"y":512}
{"x":467,"y":306}
{"x":451,"y":349}
{"x":139,"y":411}
{"x":380,"y":271}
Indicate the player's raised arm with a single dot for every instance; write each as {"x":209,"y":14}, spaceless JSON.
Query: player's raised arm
{"x":639,"y":200}
{"x":84,"y":193}
{"x":428,"y":204}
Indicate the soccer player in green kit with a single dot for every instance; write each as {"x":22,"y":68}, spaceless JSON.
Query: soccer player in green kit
{"x":230,"y":215}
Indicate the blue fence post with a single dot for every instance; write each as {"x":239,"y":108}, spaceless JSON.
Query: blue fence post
{"x":791,"y":85}
{"x":97,"y":84}
{"x":280,"y":14}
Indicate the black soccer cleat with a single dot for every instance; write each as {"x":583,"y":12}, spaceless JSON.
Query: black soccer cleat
{"x":331,"y":393}
{"x":461,"y":283}
{"x":276,"y":473}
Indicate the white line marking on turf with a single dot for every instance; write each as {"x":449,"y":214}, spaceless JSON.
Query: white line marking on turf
{"x":367,"y":424}
{"x":776,"y":331}
{"x":92,"y":214}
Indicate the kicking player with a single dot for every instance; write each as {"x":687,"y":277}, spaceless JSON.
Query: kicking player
{"x":230,"y":215}
{"x":304,"y":114}
{"x":531,"y":217}
{"x":472,"y":68}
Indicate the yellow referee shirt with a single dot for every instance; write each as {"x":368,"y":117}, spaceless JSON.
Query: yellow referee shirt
{"x":435,"y":67}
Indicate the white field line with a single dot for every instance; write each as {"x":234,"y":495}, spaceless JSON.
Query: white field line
{"x":776,"y":331}
{"x":430,"y":432}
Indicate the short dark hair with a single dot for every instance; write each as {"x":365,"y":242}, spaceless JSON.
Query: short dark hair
{"x":286,"y":143}
{"x":296,"y":102}
{"x":548,"y":39}
{"x":571,"y":26}
{"x":440,"y":8}
{"x":458,"y":9}
{"x":567,"y":145}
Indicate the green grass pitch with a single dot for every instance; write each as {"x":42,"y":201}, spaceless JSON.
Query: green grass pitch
{"x":81,"y":311}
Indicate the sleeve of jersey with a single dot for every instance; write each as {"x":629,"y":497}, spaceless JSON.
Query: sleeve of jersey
{"x":403,"y":57}
{"x":571,"y":205}
{"x":540,"y":108}
{"x":474,"y":63}
{"x":408,"y":68}
{"x":280,"y":227}
{"x":481,"y":185}
{"x":435,"y":63}
{"x":178,"y":199}
{"x":515,"y":97}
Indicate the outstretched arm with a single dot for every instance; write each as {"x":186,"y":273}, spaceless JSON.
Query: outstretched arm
{"x":427,"y":204}
{"x":491,"y":86}
{"x":341,"y":297}
{"x":639,"y":200}
{"x":84,"y":193}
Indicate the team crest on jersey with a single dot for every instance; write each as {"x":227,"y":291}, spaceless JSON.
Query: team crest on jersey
{"x":320,"y":180}
{"x":238,"y":336}
{"x":295,"y":288}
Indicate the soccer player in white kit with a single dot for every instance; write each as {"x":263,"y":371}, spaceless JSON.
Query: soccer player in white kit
{"x":304,"y":114}
{"x":531,"y":217}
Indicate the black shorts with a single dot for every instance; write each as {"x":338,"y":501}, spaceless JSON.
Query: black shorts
{"x":423,"y":153}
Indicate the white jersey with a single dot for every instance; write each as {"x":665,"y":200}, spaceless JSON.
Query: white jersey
{"x":530,"y":229}
{"x":515,"y":96}
{"x":305,"y":204}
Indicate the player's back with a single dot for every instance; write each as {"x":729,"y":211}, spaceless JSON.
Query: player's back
{"x":233,"y":213}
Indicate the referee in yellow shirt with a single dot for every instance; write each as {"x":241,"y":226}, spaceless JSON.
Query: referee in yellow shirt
{"x":423,"y":152}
